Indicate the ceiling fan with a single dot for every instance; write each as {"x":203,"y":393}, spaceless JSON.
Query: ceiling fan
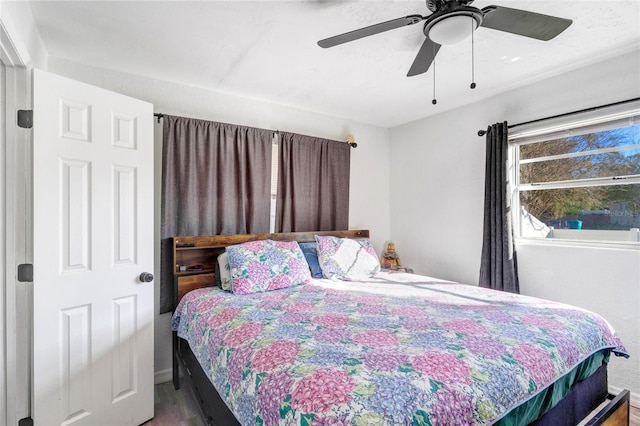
{"x":454,"y":20}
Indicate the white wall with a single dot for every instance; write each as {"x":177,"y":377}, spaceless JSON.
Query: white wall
{"x":437,"y":193}
{"x":369,"y":180}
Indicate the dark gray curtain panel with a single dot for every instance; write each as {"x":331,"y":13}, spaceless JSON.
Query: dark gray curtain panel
{"x":498,"y":266}
{"x":313,"y":184}
{"x":215,"y":180}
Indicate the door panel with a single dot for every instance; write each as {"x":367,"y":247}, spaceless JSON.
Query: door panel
{"x":93,"y":236}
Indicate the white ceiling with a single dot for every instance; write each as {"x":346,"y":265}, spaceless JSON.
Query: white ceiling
{"x":267,"y":50}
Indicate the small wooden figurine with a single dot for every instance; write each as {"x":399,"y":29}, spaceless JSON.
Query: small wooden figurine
{"x":390,"y":259}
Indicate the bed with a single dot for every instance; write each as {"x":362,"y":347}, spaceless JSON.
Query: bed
{"x":389,"y":348}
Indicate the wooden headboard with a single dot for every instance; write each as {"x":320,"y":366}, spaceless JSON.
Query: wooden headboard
{"x":194,"y":257}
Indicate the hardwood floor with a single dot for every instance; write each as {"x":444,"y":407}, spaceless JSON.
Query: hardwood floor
{"x":175,"y":408}
{"x":179,"y":408}
{"x":635,"y":416}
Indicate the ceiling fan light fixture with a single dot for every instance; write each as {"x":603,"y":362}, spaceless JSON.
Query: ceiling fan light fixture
{"x":453,"y":28}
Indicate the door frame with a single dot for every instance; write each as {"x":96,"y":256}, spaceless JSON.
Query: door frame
{"x":16,"y":225}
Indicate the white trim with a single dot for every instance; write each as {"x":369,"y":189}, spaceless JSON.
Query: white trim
{"x":564,"y":126}
{"x":581,"y":183}
{"x":3,"y":328}
{"x":15,"y":361}
{"x":18,"y":248}
{"x":558,"y":242}
{"x":580,"y":153}
{"x":634,"y":399}
{"x":9,"y":54}
{"x":163,"y":376}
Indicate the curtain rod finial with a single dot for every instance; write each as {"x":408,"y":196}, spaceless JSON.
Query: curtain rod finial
{"x":482,"y":132}
{"x":351,"y":140}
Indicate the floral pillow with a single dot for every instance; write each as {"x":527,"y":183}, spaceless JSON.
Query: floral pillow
{"x":347,"y":259}
{"x":266,"y":265}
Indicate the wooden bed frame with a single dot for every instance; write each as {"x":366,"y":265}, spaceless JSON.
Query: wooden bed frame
{"x":194,"y":259}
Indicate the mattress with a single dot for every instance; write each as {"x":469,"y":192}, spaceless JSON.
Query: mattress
{"x":394,"y":349}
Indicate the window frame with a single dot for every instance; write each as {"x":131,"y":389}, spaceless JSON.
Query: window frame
{"x":600,"y":119}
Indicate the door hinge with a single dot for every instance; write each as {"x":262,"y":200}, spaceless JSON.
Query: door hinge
{"x":25,"y":118}
{"x":25,"y":273}
{"x":27,"y":421}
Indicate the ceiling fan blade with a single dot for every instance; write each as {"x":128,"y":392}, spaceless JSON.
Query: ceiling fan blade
{"x":524,"y":23}
{"x":425,"y":58}
{"x":370,"y":30}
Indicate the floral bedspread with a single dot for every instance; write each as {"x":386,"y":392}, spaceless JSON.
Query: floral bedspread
{"x":398,"y":349}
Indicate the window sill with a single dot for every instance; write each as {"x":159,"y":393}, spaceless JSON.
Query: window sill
{"x":561,"y":242}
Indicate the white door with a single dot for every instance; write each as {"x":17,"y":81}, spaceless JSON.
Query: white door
{"x":93,"y":237}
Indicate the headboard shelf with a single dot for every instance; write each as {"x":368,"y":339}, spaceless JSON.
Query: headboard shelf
{"x":222,"y":241}
{"x":195,"y":257}
{"x":194,"y":272}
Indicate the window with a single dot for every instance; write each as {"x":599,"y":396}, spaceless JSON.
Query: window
{"x":578,"y":177}
{"x":274,"y":182}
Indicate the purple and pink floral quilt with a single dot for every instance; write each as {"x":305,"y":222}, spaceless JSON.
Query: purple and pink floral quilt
{"x":399,"y":349}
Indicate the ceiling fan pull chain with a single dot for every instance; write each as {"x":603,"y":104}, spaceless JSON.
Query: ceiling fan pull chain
{"x":473,"y":58}
{"x":434,"y":101}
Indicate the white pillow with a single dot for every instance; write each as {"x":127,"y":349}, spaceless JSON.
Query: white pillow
{"x":225,"y":271}
{"x":347,"y":259}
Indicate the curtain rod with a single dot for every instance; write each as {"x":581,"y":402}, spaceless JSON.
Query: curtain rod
{"x":350,"y":140}
{"x":484,"y":132}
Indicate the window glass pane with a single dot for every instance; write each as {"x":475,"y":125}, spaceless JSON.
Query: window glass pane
{"x":615,"y":207}
{"x":597,"y":140}
{"x":620,"y":163}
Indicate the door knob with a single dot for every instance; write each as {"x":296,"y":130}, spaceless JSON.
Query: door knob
{"x":146,"y":277}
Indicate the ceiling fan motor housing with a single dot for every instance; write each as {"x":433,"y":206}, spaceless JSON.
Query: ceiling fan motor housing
{"x":438,"y":5}
{"x":446,"y":14}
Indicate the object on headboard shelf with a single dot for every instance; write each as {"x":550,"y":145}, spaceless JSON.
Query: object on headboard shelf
{"x":184,"y":245}
{"x":390,"y":259}
{"x":196,"y":268}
